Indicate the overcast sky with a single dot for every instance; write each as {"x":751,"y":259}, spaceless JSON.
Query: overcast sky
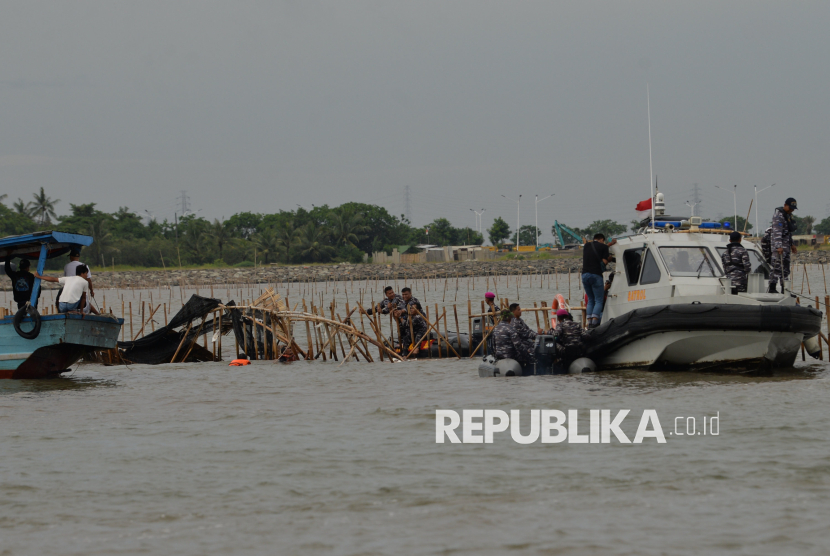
{"x":262,"y":106}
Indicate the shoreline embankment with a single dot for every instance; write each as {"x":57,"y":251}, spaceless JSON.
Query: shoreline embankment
{"x":348,"y":272}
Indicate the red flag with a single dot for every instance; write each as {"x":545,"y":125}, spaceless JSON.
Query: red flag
{"x":644,"y":205}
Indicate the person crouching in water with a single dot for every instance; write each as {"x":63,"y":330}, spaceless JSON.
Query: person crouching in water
{"x":413,"y":328}
{"x":75,"y":290}
{"x":571,"y":338}
{"x":509,"y":344}
{"x":736,"y":263}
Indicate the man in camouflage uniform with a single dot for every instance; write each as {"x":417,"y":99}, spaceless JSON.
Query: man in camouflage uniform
{"x":781,"y":242}
{"x":419,"y":328}
{"x":407,"y":298}
{"x":571,"y":338}
{"x":766,"y":245}
{"x":508,"y":343}
{"x":392,"y":302}
{"x":527,"y":335}
{"x":736,"y":263}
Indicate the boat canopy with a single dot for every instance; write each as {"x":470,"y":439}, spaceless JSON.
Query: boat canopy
{"x":28,"y":246}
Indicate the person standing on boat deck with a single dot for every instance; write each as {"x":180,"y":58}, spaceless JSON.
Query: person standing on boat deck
{"x":392,"y":302}
{"x":75,"y":289}
{"x":69,"y":270}
{"x":595,"y":255}
{"x":508,"y":343}
{"x":736,"y":263}
{"x":766,"y":245}
{"x":783,"y":227}
{"x":22,"y":281}
{"x":525,"y":333}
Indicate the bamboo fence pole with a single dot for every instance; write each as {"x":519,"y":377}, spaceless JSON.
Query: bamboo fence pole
{"x":213,"y":313}
{"x":380,"y":345}
{"x":145,"y":323}
{"x":469,"y":325}
{"x":362,"y":326}
{"x":244,"y":335}
{"x":484,"y":339}
{"x":437,"y":320}
{"x":438,"y":332}
{"x":339,"y":339}
{"x":457,"y":328}
{"x":184,"y":337}
{"x":308,"y":331}
{"x":195,"y":339}
{"x":447,"y":334}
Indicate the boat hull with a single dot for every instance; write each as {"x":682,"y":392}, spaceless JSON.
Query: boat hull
{"x":63,"y":340}
{"x":690,"y":335}
{"x":685,"y":350}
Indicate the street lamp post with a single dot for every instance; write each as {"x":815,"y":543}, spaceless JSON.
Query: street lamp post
{"x":757,"y":229}
{"x":735,"y":200}
{"x":536,"y":206}
{"x":479,"y":219}
{"x":518,"y":203}
{"x":692,"y":206}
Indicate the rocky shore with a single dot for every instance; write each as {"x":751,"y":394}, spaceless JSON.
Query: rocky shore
{"x":345,"y":271}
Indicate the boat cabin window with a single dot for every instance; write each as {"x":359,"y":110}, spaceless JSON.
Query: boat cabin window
{"x":633,"y":259}
{"x":690,"y":261}
{"x":651,"y":272}
{"x":759,"y":265}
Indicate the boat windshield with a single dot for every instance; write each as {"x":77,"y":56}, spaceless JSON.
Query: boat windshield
{"x":759,"y":265}
{"x":690,"y":261}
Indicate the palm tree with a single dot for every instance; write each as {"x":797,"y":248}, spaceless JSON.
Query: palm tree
{"x":347,"y":228}
{"x":43,"y":207}
{"x":195,"y":240}
{"x":21,"y":207}
{"x":807,"y":222}
{"x":101,"y":240}
{"x":267,"y":243}
{"x":220,"y":234}
{"x":288,"y":237}
{"x":314,"y":242}
{"x":2,"y":197}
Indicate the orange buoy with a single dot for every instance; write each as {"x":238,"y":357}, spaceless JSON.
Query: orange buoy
{"x":239,"y":363}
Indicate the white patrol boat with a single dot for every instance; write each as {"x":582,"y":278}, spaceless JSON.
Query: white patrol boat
{"x":670,"y":304}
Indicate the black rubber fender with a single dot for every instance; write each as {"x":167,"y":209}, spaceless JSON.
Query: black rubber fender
{"x":18,"y":320}
{"x":640,"y":323}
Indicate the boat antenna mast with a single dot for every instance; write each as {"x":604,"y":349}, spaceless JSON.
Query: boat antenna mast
{"x":650,"y":164}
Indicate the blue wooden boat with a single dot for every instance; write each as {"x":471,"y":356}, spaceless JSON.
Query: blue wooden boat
{"x":63,"y":339}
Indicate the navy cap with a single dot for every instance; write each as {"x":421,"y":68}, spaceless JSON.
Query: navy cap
{"x":792,"y":203}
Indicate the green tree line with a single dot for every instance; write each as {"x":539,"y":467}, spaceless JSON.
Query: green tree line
{"x":322,"y":234}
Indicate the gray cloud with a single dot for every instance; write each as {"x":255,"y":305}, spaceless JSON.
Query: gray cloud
{"x":264,"y":105}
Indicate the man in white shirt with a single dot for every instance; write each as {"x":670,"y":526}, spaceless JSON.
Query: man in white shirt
{"x":71,"y":267}
{"x":75,"y":290}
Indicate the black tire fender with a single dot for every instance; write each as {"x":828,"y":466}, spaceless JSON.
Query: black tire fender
{"x":18,"y":320}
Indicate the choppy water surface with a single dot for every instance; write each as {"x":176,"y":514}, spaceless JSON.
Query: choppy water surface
{"x":320,"y":459}
{"x":324,"y":459}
